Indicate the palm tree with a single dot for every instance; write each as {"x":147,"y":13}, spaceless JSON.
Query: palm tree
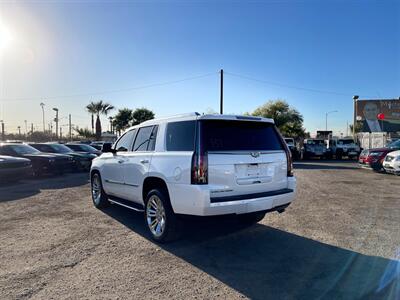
{"x":99,"y":108}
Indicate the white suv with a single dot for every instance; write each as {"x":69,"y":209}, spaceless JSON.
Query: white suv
{"x":203,"y":165}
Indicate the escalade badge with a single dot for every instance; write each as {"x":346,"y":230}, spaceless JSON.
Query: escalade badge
{"x":255,"y":154}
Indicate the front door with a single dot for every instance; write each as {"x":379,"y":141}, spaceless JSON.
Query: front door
{"x":113,"y":169}
{"x":137,"y":163}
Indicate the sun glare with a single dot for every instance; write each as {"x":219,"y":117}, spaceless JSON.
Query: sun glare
{"x":6,"y":37}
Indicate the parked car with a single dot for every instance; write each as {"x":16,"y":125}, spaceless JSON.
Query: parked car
{"x":314,"y":148}
{"x":391,"y":163}
{"x":99,"y":144}
{"x":41,"y":162}
{"x":292,"y":147}
{"x":14,"y":168}
{"x":82,"y":160}
{"x":202,"y":165}
{"x":83,"y":148}
{"x":373,"y":158}
{"x":343,"y":147}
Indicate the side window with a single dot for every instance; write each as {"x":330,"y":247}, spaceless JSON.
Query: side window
{"x":180,"y":136}
{"x":143,"y":138}
{"x":125,"y":142}
{"x":7,"y":151}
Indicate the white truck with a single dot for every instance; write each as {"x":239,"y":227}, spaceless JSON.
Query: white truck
{"x":343,"y":147}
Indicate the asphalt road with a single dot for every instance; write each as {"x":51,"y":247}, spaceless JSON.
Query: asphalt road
{"x":339,"y":240}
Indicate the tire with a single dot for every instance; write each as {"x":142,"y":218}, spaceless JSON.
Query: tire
{"x":99,"y":197}
{"x":162,"y":223}
{"x":252,"y":218}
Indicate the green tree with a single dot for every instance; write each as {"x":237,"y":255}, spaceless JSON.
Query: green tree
{"x":99,"y":108}
{"x":358,"y":127}
{"x":142,"y":114}
{"x":123,"y":119}
{"x":288,"y":120}
{"x":84,"y":132}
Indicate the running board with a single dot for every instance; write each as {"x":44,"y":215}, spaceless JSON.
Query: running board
{"x":127,"y":204}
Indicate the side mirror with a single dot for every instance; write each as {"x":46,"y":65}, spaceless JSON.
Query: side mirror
{"x":107,"y":148}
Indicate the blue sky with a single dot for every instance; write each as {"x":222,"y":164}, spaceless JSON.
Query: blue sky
{"x":58,"y":49}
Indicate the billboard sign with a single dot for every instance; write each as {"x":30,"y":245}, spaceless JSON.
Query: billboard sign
{"x":378,"y":115}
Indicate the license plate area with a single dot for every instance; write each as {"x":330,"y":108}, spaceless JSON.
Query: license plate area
{"x":254,"y":173}
{"x":253,"y":170}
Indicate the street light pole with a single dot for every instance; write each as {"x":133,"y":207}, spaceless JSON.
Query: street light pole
{"x":44,"y":126}
{"x":326,"y":118}
{"x":56,"y":120}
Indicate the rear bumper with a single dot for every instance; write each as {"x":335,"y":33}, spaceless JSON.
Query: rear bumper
{"x":196,"y":200}
{"x":376,"y":166}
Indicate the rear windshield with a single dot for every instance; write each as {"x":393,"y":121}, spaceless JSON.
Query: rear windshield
{"x":221,"y":135}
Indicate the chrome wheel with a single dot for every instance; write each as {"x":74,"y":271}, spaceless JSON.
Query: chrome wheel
{"x":96,"y":189}
{"x":155,"y":216}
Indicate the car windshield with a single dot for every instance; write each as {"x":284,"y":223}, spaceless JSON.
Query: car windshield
{"x":395,"y":144}
{"x":60,"y":148}
{"x":345,"y":142}
{"x":82,"y":147}
{"x":315,"y":142}
{"x":24,"y":149}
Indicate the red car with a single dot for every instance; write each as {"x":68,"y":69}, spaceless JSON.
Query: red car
{"x":373,"y":158}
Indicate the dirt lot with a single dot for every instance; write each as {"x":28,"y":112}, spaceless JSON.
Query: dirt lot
{"x":338,"y":240}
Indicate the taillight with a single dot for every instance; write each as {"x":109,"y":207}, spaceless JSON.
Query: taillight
{"x":289,"y":163}
{"x":199,"y":168}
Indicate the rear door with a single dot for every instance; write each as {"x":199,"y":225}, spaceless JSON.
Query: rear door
{"x":244,"y":157}
{"x":137,"y":162}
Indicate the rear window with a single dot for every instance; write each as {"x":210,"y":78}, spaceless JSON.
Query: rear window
{"x":180,"y":136}
{"x":220,"y":135}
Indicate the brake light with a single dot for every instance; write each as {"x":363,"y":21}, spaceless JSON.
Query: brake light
{"x":199,"y":168}
{"x":289,"y":162}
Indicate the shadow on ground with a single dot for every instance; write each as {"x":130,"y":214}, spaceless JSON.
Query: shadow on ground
{"x":262,"y":262}
{"x":28,"y":188}
{"x":326,"y":165}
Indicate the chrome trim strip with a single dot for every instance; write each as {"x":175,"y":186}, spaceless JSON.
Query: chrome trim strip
{"x":133,"y":208}
{"x":246,"y":152}
{"x":114,"y":182}
{"x":121,"y":183}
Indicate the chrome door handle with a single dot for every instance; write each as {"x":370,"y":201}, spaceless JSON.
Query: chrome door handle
{"x":144,"y":161}
{"x":120,"y":161}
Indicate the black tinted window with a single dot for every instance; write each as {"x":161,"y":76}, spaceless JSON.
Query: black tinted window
{"x":125,"y":142}
{"x":239,"y":136}
{"x":180,"y":136}
{"x":143,"y":138}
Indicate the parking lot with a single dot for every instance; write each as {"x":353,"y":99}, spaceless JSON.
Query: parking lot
{"x":338,"y":240}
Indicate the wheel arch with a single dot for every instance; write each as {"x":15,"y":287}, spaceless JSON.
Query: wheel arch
{"x":153,"y":182}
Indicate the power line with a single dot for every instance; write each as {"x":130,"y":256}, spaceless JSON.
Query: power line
{"x":289,"y":86}
{"x":110,"y":91}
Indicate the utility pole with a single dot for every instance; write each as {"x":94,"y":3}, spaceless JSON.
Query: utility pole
{"x":31,"y":128}
{"x":355,"y":98}
{"x":26,"y":127}
{"x":70,"y":128}
{"x":221,"y":104}
{"x":3,"y":134}
{"x":56,"y":120}
{"x":42,"y":105}
{"x":60,"y":132}
{"x":19,"y":130}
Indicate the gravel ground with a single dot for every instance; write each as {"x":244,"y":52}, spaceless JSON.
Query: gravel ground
{"x":338,"y":240}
